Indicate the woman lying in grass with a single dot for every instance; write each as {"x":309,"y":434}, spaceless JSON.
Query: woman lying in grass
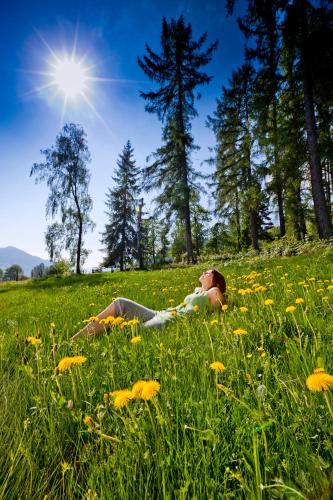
{"x":209,"y":295}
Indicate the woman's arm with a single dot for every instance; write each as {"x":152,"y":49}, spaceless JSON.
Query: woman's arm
{"x":216,"y":297}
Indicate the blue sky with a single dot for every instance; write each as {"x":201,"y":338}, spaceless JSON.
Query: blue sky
{"x":110,"y":35}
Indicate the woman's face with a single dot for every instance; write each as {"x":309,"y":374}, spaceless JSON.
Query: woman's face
{"x":207,"y":279}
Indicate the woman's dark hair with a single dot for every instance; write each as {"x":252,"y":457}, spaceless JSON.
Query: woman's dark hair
{"x":219,"y":281}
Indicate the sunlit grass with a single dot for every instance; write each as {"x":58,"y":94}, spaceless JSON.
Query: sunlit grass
{"x":232,"y":416}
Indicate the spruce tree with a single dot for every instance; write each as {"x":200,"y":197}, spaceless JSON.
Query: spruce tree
{"x":120,"y":235}
{"x":176,"y":70}
{"x":237,"y":179}
{"x":307,"y":34}
{"x":262,"y":23}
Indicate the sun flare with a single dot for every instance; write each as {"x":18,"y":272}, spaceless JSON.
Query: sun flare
{"x":70,"y":77}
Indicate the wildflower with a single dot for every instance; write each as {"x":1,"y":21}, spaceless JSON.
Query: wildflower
{"x":299,"y":300}
{"x":240,"y":331}
{"x":92,"y":304}
{"x":319,"y":380}
{"x":67,"y":362}
{"x":33,"y":340}
{"x":94,"y":318}
{"x":243,"y":309}
{"x":320,"y":290}
{"x":220,"y":386}
{"x":249,"y":355}
{"x":52,"y":325}
{"x":88,"y":421}
{"x":137,"y":388}
{"x":133,"y":322}
{"x":269,"y":302}
{"x":214,"y":322}
{"x":325,"y":299}
{"x":290,"y":309}
{"x":217,"y":366}
{"x":150,"y":389}
{"x":122,"y":398}
{"x":173,"y":313}
{"x":171,"y":301}
{"x":136,"y":340}
{"x":123,"y":325}
{"x":224,"y":307}
{"x":330,"y":287}
{"x":118,"y":320}
{"x":65,"y":466}
{"x":196,"y":308}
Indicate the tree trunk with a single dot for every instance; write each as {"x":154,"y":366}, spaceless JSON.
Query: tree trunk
{"x":183,"y":166}
{"x":139,"y":235}
{"x":79,"y":244}
{"x":277,"y":176}
{"x":322,"y":219}
{"x":238,"y":228}
{"x":254,"y":230}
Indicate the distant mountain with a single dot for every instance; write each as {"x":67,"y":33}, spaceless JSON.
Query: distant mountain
{"x":12,"y":255}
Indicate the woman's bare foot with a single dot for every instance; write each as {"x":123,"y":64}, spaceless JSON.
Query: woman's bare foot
{"x":94,"y":326}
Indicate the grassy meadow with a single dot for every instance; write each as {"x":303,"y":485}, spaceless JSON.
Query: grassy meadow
{"x":252,"y":430}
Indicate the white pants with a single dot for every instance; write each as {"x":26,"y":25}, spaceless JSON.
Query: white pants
{"x":129,"y":309}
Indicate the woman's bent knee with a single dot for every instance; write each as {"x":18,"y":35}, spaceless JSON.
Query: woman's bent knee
{"x":118,"y":304}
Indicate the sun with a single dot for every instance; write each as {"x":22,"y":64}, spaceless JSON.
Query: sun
{"x":70,"y":77}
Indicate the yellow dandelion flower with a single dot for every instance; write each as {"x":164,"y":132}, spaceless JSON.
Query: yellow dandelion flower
{"x":224,"y":307}
{"x":171,"y":301}
{"x":33,"y":340}
{"x":93,"y":318}
{"x":173,"y":313}
{"x":319,"y":380}
{"x":137,"y":388}
{"x":269,"y":302}
{"x":240,"y":331}
{"x":290,"y":309}
{"x":67,"y":362}
{"x":325,"y":299}
{"x":118,"y":320}
{"x":133,"y":322}
{"x":243,"y":309}
{"x":136,"y":340}
{"x":115,"y":393}
{"x":330,"y":287}
{"x":299,"y":300}
{"x":88,"y":421}
{"x":52,"y":325}
{"x":122,"y":398}
{"x":196,"y":308}
{"x":249,"y":355}
{"x":150,"y":389}
{"x":217,"y":366}
{"x":214,"y":322}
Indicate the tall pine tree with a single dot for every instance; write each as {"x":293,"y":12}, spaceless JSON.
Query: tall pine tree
{"x":120,"y":235}
{"x":177,"y":72}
